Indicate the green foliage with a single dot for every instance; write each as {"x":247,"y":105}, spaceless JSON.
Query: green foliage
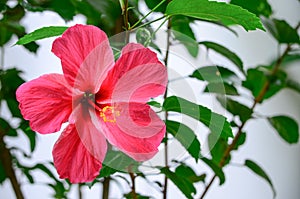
{"x":216,"y":169}
{"x":2,"y":174}
{"x":152,"y":3}
{"x":183,"y":184}
{"x":186,"y":137}
{"x":256,"y":80}
{"x":132,"y":195}
{"x":236,"y":108}
{"x":260,"y":172}
{"x":221,"y":88}
{"x":228,"y":14}
{"x":187,"y":172}
{"x":216,"y":123}
{"x":282,"y":31}
{"x":213,"y":74}
{"x":286,"y":127}
{"x":183,"y":33}
{"x":41,"y":33}
{"x":116,"y":161}
{"x":217,"y":147}
{"x":225,"y":52}
{"x":258,"y":7}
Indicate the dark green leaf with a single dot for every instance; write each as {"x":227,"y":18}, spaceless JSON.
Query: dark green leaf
{"x":2,"y":173}
{"x":216,"y":123}
{"x":152,"y":3}
{"x":31,"y":135}
{"x":236,"y":108}
{"x":64,"y":8}
{"x":258,"y":7}
{"x":260,"y":172}
{"x":221,"y":88}
{"x":217,"y":147}
{"x":42,"y":33}
{"x":214,"y":74}
{"x":183,"y":33}
{"x":216,"y":169}
{"x":282,"y":31}
{"x":225,"y":52}
{"x":189,"y":174}
{"x":228,"y":14}
{"x":185,"y":186}
{"x":241,"y":141}
{"x":6,"y":128}
{"x":186,"y":137}
{"x":286,"y":127}
{"x":256,"y":80}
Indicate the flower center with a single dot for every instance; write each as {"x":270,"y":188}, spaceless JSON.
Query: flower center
{"x":109,"y":114}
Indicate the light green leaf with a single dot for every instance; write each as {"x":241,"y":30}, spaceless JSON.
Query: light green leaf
{"x":185,"y":186}
{"x":221,"y":88}
{"x":225,"y":52}
{"x":282,"y":31}
{"x":260,"y":172}
{"x":286,"y":127}
{"x":42,"y":33}
{"x":236,"y":108}
{"x":217,"y":170}
{"x":214,"y":74}
{"x":183,"y":33}
{"x":216,"y":123}
{"x":215,"y":11}
{"x":185,"y":136}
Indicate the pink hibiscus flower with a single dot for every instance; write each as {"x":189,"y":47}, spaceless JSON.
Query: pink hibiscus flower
{"x":102,"y":100}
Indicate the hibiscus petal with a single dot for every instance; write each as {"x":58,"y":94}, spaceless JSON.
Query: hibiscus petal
{"x":72,"y":160}
{"x":136,"y":76}
{"x":137,"y":120}
{"x":46,"y":102}
{"x":89,"y":134}
{"x":85,"y":55}
{"x":134,"y":137}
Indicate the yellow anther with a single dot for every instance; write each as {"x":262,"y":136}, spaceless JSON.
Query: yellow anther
{"x":109,"y":114}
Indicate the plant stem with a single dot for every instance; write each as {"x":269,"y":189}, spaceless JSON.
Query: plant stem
{"x":257,"y":100}
{"x":166,"y":113}
{"x":132,"y":177}
{"x":106,"y":185}
{"x":125,"y":15}
{"x":6,"y":160}
{"x":79,"y":191}
{"x":144,"y":17}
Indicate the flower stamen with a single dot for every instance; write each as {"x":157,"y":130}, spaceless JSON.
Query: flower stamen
{"x":109,"y":114}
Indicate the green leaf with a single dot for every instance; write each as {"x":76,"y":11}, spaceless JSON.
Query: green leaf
{"x":154,"y":104}
{"x":214,"y":74}
{"x":185,"y":186}
{"x":256,"y":79}
{"x":293,"y":85}
{"x":152,"y":3}
{"x":31,"y":135}
{"x":228,"y":14}
{"x":217,"y":147}
{"x":221,"y":88}
{"x":189,"y":174}
{"x":286,"y":127}
{"x":258,"y":7}
{"x":225,"y":52}
{"x":236,"y":108}
{"x":216,"y":123}
{"x":241,"y":140}
{"x":186,"y":137}
{"x":216,"y":169}
{"x":42,"y":33}
{"x":260,"y":172}
{"x":282,"y":31}
{"x":132,"y":195}
{"x":64,"y":8}
{"x":117,"y":161}
{"x":7,"y":129}
{"x":2,"y":173}
{"x":183,"y":33}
